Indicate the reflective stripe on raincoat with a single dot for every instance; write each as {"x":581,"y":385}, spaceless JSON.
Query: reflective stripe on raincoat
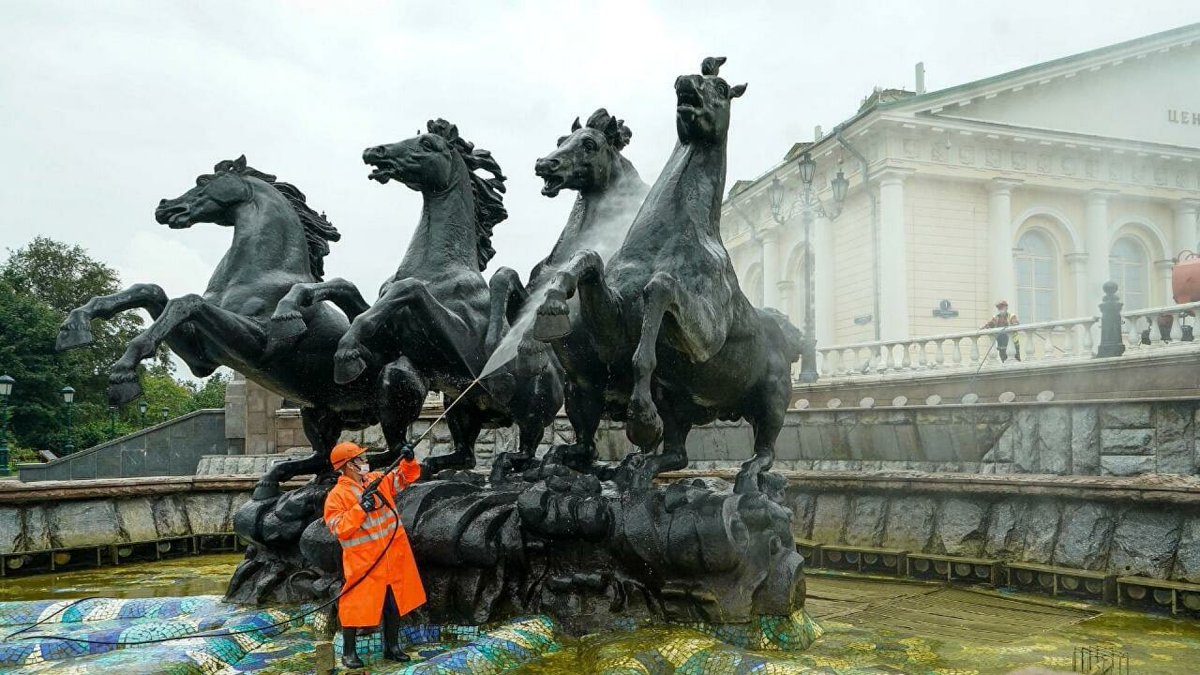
{"x":364,"y":538}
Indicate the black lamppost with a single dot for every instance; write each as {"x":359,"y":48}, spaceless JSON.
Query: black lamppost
{"x":166,"y":412}
{"x":6,"y":386}
{"x":112,"y":422}
{"x":809,"y":205}
{"x":68,"y":396}
{"x":142,"y":408}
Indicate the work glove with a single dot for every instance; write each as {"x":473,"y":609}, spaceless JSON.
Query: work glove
{"x":406,"y":453}
{"x":371,"y":501}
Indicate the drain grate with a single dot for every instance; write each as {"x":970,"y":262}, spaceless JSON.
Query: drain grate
{"x":955,"y":614}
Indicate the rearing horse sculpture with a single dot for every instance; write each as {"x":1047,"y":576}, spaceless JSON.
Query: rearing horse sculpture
{"x":278,"y":242}
{"x":589,"y":161}
{"x":431,"y":321}
{"x":669,"y":297}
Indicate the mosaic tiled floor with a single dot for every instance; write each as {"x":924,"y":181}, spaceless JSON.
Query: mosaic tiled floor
{"x":865,"y":626}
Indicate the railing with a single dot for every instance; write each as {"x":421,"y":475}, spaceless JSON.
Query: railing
{"x":1159,"y":326}
{"x":1035,"y":342}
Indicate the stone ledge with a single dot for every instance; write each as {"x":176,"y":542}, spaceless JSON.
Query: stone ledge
{"x":13,"y":492}
{"x":1151,"y":489}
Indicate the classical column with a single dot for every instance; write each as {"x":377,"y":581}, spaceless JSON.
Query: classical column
{"x":1087,"y":298}
{"x":1000,"y":239}
{"x":1164,"y":269}
{"x":1098,"y":244}
{"x":1187,"y":229}
{"x":893,"y":263}
{"x":786,"y":289}
{"x":823,"y":267}
{"x":770,"y":268}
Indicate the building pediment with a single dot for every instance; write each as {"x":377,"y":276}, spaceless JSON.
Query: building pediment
{"x":1144,"y":90}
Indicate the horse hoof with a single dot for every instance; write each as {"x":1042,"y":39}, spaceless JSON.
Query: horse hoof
{"x":71,"y":336}
{"x":120,"y":393}
{"x":551,"y":326}
{"x":287,"y":326}
{"x":643,"y":425}
{"x":348,"y":366}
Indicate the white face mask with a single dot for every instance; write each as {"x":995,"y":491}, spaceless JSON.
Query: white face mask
{"x":359,"y":465}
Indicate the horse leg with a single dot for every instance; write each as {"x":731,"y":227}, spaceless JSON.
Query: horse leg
{"x":598,"y":304}
{"x":76,"y":331}
{"x":234,"y":332}
{"x":322,"y":427}
{"x":776,"y":393}
{"x":507,"y":296}
{"x":643,"y":425}
{"x":449,"y":329}
{"x":288,"y":320}
{"x":402,"y":392}
{"x":464,"y":430}
{"x":585,"y":407}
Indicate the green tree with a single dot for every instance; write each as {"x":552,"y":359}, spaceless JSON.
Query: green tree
{"x":39,"y":284}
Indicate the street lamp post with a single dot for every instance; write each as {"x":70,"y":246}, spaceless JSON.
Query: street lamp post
{"x":6,"y":386}
{"x":166,"y":412}
{"x":810,"y":207}
{"x":68,"y":396}
{"x":142,"y":408}
{"x":112,"y":422}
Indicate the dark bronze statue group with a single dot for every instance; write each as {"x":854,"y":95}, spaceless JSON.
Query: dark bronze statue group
{"x":635,"y":316}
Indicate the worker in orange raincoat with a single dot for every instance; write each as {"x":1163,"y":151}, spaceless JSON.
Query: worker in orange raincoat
{"x":381,"y":573}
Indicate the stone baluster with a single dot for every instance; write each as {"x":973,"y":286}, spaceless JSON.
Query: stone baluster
{"x":957,"y":356}
{"x":975,"y":355}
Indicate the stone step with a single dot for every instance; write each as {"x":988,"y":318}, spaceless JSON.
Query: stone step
{"x":243,"y":465}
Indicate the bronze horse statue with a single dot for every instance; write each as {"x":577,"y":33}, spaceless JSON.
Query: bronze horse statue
{"x":589,"y":161}
{"x":668,"y":308}
{"x":278,"y":242}
{"x":434,"y":319}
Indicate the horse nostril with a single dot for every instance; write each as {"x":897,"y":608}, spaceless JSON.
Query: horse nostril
{"x":546,"y":164}
{"x":162,"y":203}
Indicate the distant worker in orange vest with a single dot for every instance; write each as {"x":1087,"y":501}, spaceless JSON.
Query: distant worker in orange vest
{"x":381,"y":573}
{"x":1003,"y":320}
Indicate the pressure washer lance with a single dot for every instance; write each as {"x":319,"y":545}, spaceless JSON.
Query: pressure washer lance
{"x":371,"y":490}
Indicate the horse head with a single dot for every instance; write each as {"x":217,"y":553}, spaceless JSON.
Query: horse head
{"x":588,"y":158}
{"x":439,"y":161}
{"x":702,"y":104}
{"x":425,"y":163}
{"x":215,"y":197}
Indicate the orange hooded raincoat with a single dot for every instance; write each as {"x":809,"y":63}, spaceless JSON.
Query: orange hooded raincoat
{"x":364,"y":538}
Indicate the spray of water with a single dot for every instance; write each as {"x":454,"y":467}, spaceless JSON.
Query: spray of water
{"x":604,"y":235}
{"x":507,"y":349}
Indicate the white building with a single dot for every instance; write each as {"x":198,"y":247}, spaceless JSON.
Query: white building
{"x":1034,"y":186}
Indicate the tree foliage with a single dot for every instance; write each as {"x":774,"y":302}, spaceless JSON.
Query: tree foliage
{"x":39,"y":284}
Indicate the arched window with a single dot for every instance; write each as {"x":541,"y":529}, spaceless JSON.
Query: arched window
{"x":752,"y":286}
{"x":1035,"y":266}
{"x":1129,"y":266}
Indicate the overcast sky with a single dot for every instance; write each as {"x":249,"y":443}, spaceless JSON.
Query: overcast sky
{"x":106,"y":107}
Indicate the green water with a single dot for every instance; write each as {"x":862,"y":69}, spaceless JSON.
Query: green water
{"x":1153,"y":643}
{"x":192,"y":575}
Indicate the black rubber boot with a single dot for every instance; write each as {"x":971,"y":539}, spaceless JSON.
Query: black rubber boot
{"x":349,"y":654}
{"x":391,"y":631}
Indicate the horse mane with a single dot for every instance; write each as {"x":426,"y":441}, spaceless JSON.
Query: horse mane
{"x":318,"y":231}
{"x":614,"y":130}
{"x":488,"y":192}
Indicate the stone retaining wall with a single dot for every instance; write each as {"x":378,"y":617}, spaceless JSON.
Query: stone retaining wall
{"x":78,"y":514}
{"x":1127,"y":527}
{"x":172,"y":448}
